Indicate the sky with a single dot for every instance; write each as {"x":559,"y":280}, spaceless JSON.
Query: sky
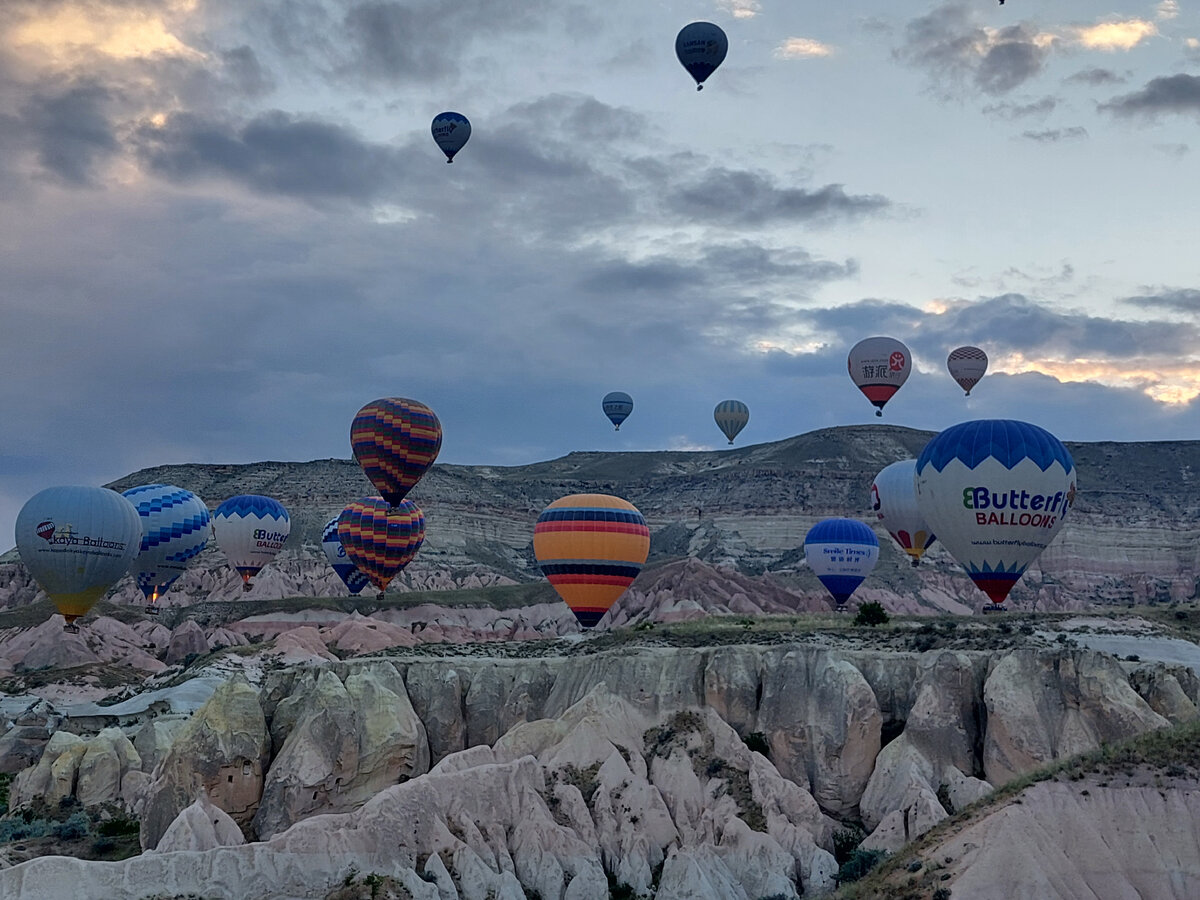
{"x":225,"y":227}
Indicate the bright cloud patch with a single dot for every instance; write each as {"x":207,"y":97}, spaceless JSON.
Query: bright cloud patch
{"x":1169,"y":382}
{"x":64,"y":33}
{"x":1113,"y":36}
{"x":745,"y":9}
{"x":802,"y":48}
{"x":1167,"y":9}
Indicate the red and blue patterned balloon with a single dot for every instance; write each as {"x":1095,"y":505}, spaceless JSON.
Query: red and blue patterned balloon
{"x":381,"y":540}
{"x":395,"y":440}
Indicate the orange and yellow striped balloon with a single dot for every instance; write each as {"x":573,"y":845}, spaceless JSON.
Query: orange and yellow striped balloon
{"x":591,"y":547}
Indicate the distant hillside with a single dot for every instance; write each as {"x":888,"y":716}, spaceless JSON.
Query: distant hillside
{"x":1132,"y":537}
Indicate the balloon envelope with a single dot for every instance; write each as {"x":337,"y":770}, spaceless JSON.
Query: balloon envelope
{"x":617,"y":405}
{"x":996,"y":492}
{"x":77,"y":542}
{"x":879,"y":366}
{"x":381,"y":539}
{"x":731,"y":417}
{"x":450,"y":131}
{"x":841,"y":552}
{"x":967,"y":365}
{"x":174,"y":532}
{"x":353,"y":577}
{"x":395,"y":440}
{"x":894,"y":499}
{"x":591,"y":548}
{"x":250,"y":530}
{"x":701,"y":47}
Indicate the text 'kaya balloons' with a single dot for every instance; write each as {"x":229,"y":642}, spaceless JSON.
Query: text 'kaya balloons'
{"x":381,"y":539}
{"x":617,"y":405}
{"x":731,"y":417}
{"x":894,"y":499}
{"x":879,"y":366}
{"x":395,"y":440}
{"x":996,"y":492}
{"x":967,"y":365}
{"x":77,"y":542}
{"x":451,"y":131}
{"x":591,"y":548}
{"x":174,"y":532}
{"x":351,"y":575}
{"x":250,"y":530}
{"x":701,"y":47}
{"x":841,"y":552}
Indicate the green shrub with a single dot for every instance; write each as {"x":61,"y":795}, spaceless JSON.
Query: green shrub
{"x":845,"y":842}
{"x":871,"y":613}
{"x":858,"y":865}
{"x":76,"y":826}
{"x":118,"y":826}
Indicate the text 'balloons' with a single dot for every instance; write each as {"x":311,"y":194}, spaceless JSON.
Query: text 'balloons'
{"x":841,"y":552}
{"x":174,"y":532}
{"x":879,"y":366}
{"x":591,"y":548}
{"x":996,"y":492}
{"x":731,"y":417}
{"x":894,"y":499}
{"x":701,"y":48}
{"x":395,"y":440}
{"x":251,"y":530}
{"x":77,"y":542}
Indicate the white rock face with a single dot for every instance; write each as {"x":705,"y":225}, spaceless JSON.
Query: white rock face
{"x":201,"y":826}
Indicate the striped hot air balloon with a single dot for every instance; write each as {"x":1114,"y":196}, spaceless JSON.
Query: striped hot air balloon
{"x":731,"y":417}
{"x":591,"y":547}
{"x":174,"y":532}
{"x":395,"y":441}
{"x":381,"y":539}
{"x":350,"y":574}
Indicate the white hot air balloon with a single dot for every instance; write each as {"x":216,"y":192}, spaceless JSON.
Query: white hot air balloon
{"x":841,"y":552}
{"x":879,"y":366}
{"x":77,"y":542}
{"x":894,"y":499}
{"x":731,"y":417}
{"x":967,"y":365}
{"x":175,"y":529}
{"x":996,"y":492}
{"x":250,"y":530}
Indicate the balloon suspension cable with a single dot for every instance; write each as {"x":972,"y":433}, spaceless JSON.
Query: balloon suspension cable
{"x":967,"y":394}
{"x":731,"y":442}
{"x":616,"y":428}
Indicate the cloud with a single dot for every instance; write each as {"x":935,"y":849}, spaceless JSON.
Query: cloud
{"x":1181,"y":300}
{"x":802,"y":48}
{"x":70,"y":131}
{"x":731,"y":197}
{"x":1037,"y":108}
{"x":1178,"y":94}
{"x":1177,"y":151}
{"x":1113,"y":36}
{"x":1096,"y":77}
{"x":956,"y":52}
{"x":1166,"y":9}
{"x":1054,"y":135}
{"x":741,"y":9}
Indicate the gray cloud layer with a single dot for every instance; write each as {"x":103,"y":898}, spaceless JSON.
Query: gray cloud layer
{"x":1178,"y":94}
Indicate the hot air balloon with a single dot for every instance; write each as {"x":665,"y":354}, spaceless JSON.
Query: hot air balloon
{"x":395,"y":441}
{"x":894,"y":499}
{"x":451,"y":131}
{"x":731,"y":416}
{"x":590,"y":547}
{"x":617,"y":406}
{"x":174,"y":532}
{"x":77,"y":542}
{"x":701,"y":47}
{"x":351,"y":575}
{"x":879,"y":366}
{"x":380,"y":539}
{"x":996,"y":492}
{"x":250,"y":530}
{"x":967,"y":365}
{"x":841,"y":552}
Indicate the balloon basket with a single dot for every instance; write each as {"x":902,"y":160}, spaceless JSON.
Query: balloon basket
{"x":915,"y":563}
{"x":247,"y":586}
{"x":151,"y":610}
{"x":71,"y":628}
{"x":995,"y":608}
{"x":842,"y":609}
